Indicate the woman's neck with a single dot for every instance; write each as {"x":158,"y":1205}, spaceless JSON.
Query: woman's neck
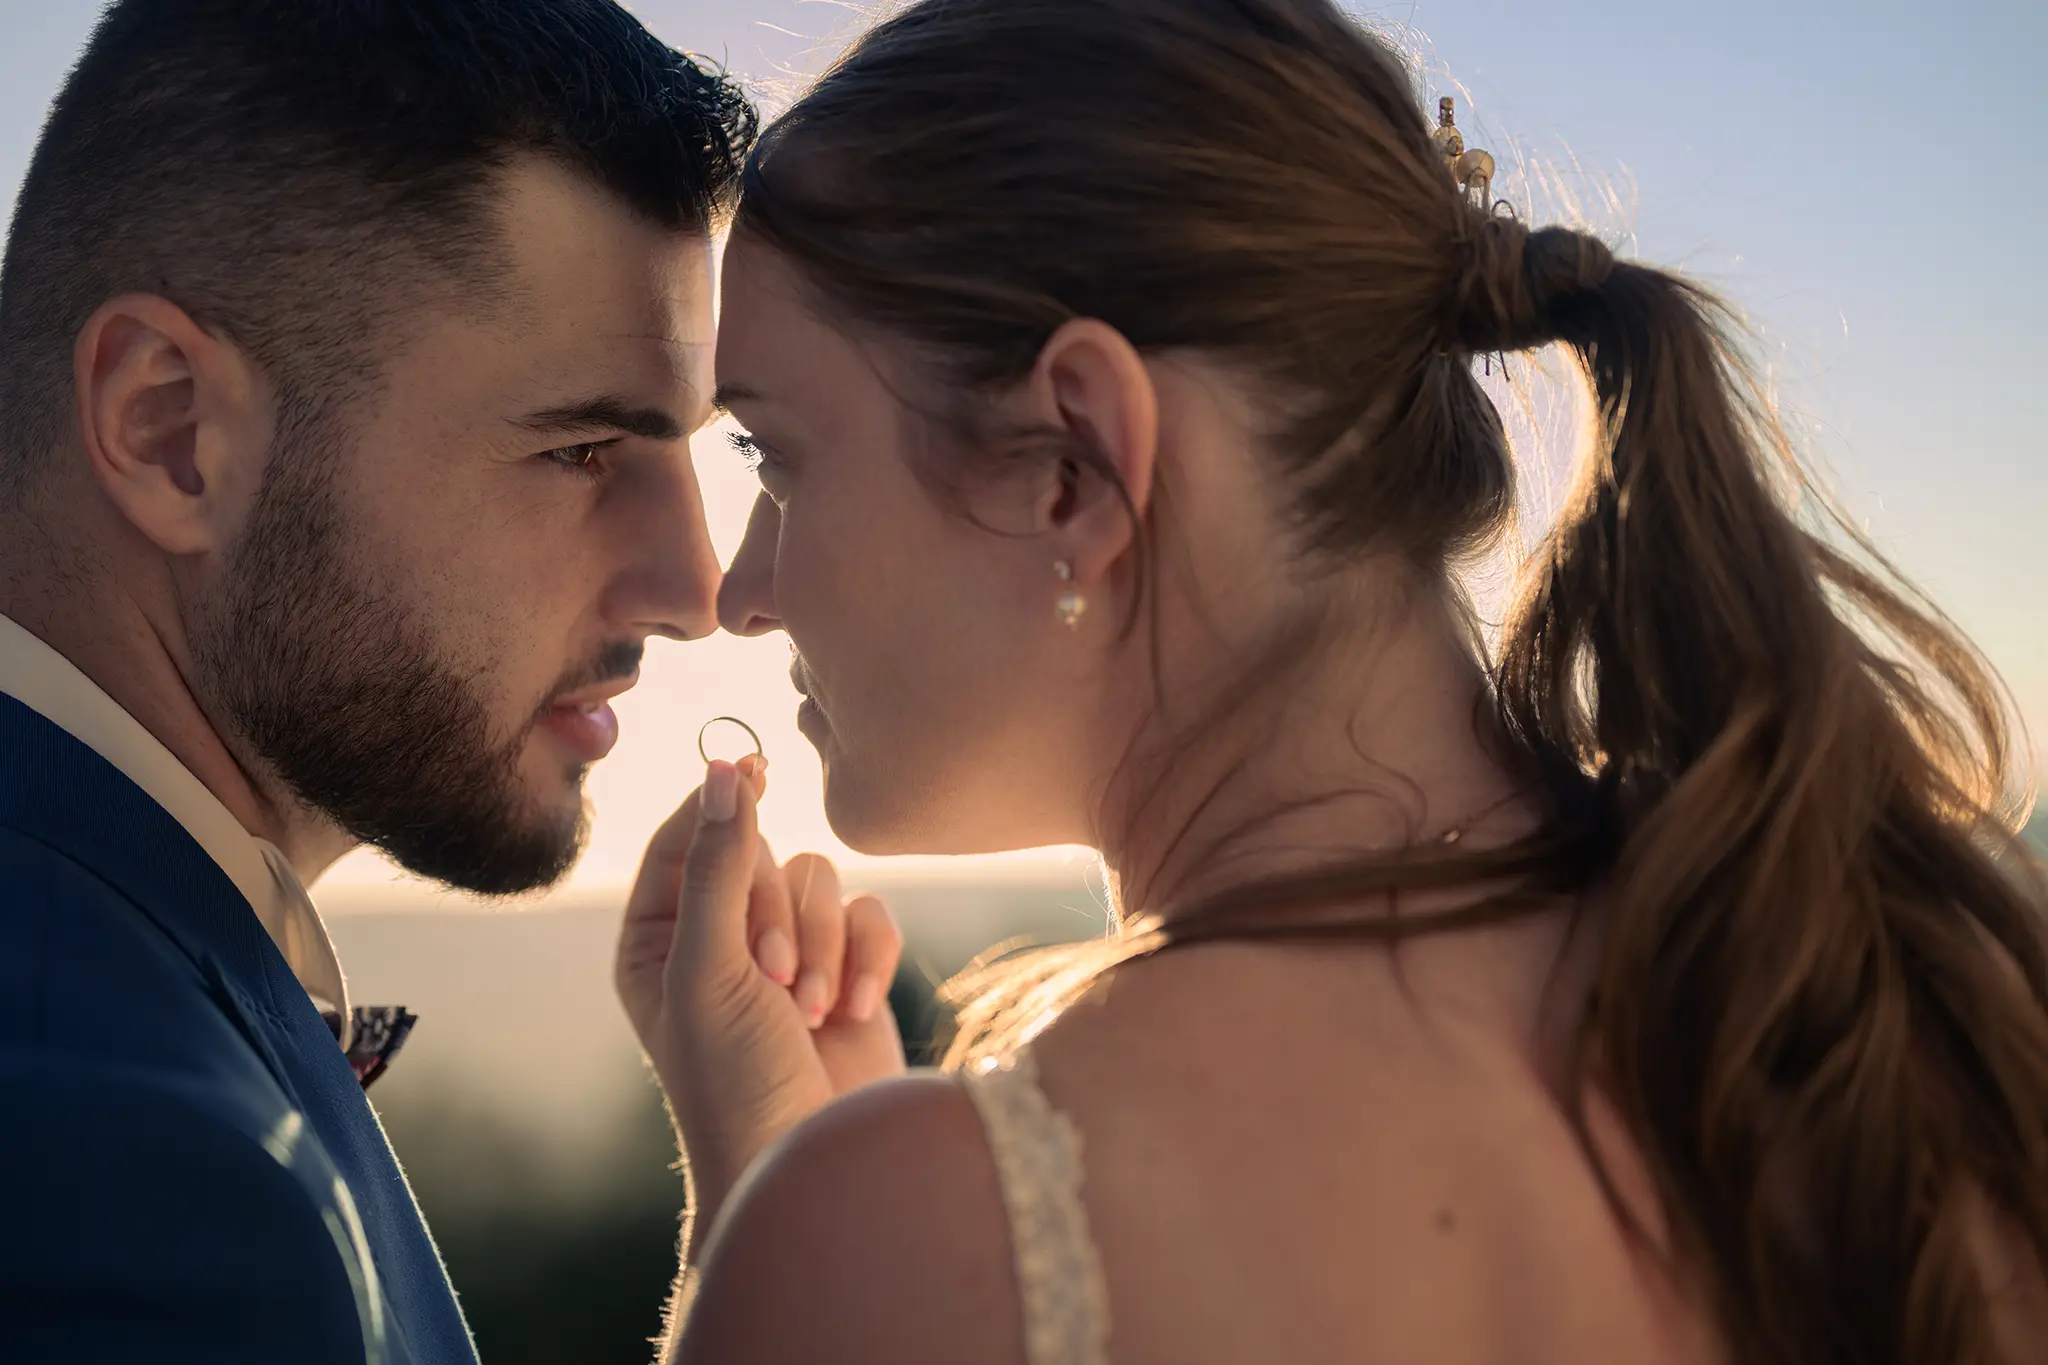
{"x":1377,"y":739}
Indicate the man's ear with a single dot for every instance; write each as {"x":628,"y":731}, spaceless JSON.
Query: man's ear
{"x":1092,"y":383}
{"x":174,"y":422}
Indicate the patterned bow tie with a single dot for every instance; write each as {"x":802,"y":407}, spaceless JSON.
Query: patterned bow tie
{"x":375,"y":1035}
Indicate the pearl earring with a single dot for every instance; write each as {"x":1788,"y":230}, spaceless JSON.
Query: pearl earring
{"x":1071,"y":605}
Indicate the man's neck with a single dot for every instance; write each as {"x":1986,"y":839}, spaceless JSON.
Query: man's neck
{"x":108,"y":636}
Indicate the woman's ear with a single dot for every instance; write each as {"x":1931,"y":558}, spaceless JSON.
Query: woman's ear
{"x":1092,"y":384}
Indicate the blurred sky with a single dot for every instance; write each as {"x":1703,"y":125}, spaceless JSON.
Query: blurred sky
{"x":1860,"y":176}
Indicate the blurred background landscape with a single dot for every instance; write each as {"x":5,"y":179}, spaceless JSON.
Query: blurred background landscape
{"x":1852,"y":174}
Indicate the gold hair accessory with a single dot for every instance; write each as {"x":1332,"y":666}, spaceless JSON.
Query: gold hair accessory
{"x":1471,"y":168}
{"x":729,"y":720}
{"x":1471,"y":171}
{"x":1071,"y":606}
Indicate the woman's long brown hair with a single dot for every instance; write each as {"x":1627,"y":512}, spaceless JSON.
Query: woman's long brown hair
{"x":1822,"y":1007}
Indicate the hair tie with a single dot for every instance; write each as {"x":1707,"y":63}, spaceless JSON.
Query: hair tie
{"x":1512,"y":282}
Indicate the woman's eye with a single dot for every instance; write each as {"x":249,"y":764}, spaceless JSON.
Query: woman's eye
{"x":751,"y":451}
{"x":763,"y":461}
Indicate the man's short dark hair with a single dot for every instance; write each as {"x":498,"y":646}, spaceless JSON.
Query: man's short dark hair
{"x":296,"y":173}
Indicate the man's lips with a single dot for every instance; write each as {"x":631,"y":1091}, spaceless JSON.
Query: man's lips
{"x":589,"y":699}
{"x":582,"y":721}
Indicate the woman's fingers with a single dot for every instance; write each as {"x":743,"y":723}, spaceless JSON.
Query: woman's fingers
{"x":718,"y":876}
{"x":735,"y":905}
{"x":651,"y":906}
{"x":647,"y":934}
{"x":653,"y":898}
{"x":874,"y":946}
{"x":771,"y":920}
{"x":821,"y":934}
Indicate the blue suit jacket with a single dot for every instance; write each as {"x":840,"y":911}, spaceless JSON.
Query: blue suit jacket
{"x":188,"y":1169}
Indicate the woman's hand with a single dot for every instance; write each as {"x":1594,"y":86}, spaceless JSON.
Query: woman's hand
{"x":759,"y":994}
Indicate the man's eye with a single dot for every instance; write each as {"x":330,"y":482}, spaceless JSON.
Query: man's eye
{"x":582,"y":458}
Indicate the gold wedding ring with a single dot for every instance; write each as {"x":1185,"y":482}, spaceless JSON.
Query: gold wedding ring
{"x":703,"y":753}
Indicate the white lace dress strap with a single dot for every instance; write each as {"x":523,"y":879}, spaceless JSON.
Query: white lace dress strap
{"x":1038,"y":1159}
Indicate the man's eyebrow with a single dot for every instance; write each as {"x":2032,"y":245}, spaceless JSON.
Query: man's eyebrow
{"x":728,"y":394}
{"x":605,"y":412}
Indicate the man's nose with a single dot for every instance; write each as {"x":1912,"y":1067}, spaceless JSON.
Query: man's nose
{"x":671,"y":586}
{"x":746,"y":600}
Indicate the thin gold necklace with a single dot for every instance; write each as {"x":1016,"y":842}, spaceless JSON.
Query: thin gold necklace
{"x":1458,"y":831}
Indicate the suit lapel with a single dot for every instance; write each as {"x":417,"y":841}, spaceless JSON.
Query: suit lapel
{"x":63,"y":795}
{"x":67,"y":797}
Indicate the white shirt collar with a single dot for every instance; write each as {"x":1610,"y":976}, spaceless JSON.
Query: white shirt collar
{"x":46,"y":682}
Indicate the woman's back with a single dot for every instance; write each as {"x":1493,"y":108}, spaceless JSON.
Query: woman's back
{"x":1303,"y":1154}
{"x":1293,"y":1153}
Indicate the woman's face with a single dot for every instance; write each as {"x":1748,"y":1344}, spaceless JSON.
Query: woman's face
{"x":951,"y":708}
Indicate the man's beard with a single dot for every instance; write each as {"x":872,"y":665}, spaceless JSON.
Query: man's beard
{"x":335,"y":686}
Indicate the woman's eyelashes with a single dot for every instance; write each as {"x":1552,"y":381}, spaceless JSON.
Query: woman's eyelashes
{"x":751,"y":451}
{"x":763,"y":461}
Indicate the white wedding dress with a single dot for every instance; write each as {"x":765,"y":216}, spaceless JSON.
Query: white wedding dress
{"x":1039,"y":1162}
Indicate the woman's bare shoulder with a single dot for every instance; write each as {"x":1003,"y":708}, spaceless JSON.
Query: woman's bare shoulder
{"x":876,"y":1232}
{"x":1283,"y":1126}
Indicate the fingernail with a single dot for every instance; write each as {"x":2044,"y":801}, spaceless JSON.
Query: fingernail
{"x":864,"y":998}
{"x":777,"y":956}
{"x":721,"y":792}
{"x":811,"y":993}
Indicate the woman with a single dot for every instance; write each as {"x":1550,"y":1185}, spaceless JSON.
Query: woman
{"x":1668,"y":990}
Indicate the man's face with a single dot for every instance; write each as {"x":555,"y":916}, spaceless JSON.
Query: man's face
{"x":438,"y":590}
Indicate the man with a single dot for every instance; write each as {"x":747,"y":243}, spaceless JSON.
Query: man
{"x":348,"y":355}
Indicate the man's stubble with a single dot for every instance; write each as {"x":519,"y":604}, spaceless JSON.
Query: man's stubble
{"x":334,"y":682}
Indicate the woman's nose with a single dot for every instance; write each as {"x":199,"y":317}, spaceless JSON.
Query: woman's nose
{"x":746,"y":599}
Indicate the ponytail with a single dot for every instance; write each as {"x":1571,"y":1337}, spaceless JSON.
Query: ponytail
{"x":1823,"y":1005}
